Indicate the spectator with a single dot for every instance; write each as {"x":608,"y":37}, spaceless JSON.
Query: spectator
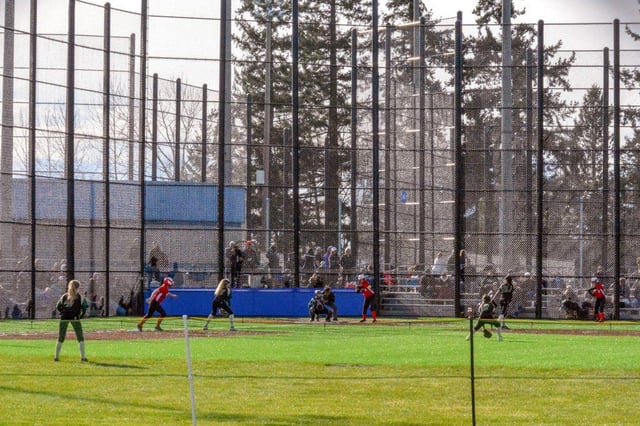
{"x":236,"y":260}
{"x":161,"y":257}
{"x":251,"y":256}
{"x":16,"y":313}
{"x":347,"y":264}
{"x":273,"y":258}
{"x":153,"y":270}
{"x":439,"y":264}
{"x":315,"y":281}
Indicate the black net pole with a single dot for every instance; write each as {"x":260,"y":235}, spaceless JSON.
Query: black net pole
{"x":33,"y":49}
{"x":70,"y":142}
{"x":106,"y":158}
{"x":203,"y":141}
{"x":222,"y":93}
{"x":176,"y":152}
{"x":540,"y":168}
{"x":295,"y":140}
{"x":375,"y":133}
{"x":459,"y":167}
{"x":354,"y":143}
{"x":616,"y":164}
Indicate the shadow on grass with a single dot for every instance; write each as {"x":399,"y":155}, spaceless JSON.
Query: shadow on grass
{"x":113,"y":365}
{"x":301,"y":419}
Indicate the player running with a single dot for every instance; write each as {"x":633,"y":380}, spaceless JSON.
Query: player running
{"x":222,"y":300}
{"x":156,"y":298}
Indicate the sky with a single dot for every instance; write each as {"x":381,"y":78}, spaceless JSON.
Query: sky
{"x":199,"y":38}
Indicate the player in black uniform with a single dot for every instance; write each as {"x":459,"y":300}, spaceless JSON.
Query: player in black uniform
{"x":71,"y":306}
{"x":486,"y":310}
{"x":222,"y":300}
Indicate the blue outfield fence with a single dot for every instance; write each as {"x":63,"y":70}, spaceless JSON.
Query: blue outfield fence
{"x":289,"y":302}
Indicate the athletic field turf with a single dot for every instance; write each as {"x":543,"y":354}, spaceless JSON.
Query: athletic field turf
{"x":291,"y":372}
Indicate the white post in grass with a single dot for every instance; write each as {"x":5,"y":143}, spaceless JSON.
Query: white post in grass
{"x":189,"y":369}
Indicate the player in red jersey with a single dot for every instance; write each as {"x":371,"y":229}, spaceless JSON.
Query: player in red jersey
{"x":597,"y":291}
{"x":364,"y":287}
{"x":158,"y":295}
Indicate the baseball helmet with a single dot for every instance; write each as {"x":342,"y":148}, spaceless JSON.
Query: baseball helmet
{"x":168,"y":281}
{"x":360,"y":277}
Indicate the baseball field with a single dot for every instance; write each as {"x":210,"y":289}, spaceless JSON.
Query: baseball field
{"x":292,"y":372}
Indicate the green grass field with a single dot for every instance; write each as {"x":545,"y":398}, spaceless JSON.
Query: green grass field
{"x":287,"y":373}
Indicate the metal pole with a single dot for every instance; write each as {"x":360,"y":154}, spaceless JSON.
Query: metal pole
{"x":176,"y":153}
{"x":106,"y":158}
{"x":70,"y":141}
{"x":295,"y":141}
{"x":375,"y":133}
{"x":616,"y":166}
{"x":6,"y":149}
{"x":143,"y":142}
{"x":540,"y":168}
{"x":132,"y":102}
{"x":154,"y":128}
{"x":222,"y":122}
{"x":605,"y":158}
{"x":266,"y":156}
{"x":33,"y":49}
{"x":422,"y":145}
{"x":203,"y":142}
{"x":472,"y":367}
{"x":387,"y":147}
{"x":249,"y":169}
{"x":528,"y":160}
{"x":354,"y":144}
{"x":459,"y":170}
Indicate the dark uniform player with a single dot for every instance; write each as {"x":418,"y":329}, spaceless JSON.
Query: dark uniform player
{"x":364,"y":287}
{"x":222,"y":300}
{"x":156,"y":298}
{"x":506,"y":294}
{"x":317,"y":307}
{"x":597,"y":291}
{"x":486,"y":310}
{"x":72,"y":306}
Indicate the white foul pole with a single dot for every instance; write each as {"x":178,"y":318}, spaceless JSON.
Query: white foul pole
{"x":189,"y":369}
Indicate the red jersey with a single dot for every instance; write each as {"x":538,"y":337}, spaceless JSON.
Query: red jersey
{"x":597,"y":291}
{"x":160,"y":293}
{"x":365,"y":288}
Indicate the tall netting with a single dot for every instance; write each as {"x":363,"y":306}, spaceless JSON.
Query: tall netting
{"x":111,"y":160}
